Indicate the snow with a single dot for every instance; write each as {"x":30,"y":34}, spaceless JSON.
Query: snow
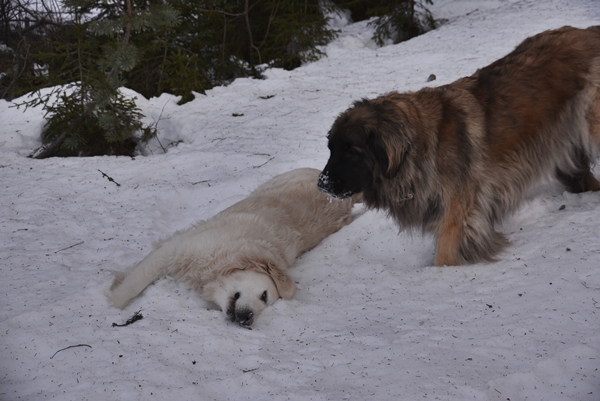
{"x":372,"y":318}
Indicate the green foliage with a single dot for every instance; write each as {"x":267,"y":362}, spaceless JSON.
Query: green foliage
{"x":181,"y":46}
{"x":183,"y":72}
{"x":396,"y":20}
{"x":218,"y":41}
{"x":78,"y":126}
{"x":296,"y":35}
{"x":409,"y":18}
{"x":91,"y":116}
{"x":174,"y":46}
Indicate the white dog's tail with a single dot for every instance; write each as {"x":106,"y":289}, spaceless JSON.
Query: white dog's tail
{"x":127,"y":286}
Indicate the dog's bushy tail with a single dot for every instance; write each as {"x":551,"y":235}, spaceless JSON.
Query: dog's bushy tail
{"x":127,"y":286}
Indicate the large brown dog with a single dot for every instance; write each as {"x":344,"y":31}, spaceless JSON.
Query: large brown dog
{"x":454,"y":160}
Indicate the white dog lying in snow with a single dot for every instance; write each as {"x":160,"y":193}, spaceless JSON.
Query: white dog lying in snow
{"x":238,"y":258}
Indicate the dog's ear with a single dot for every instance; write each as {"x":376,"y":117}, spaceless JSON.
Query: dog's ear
{"x":285,"y":286}
{"x":389,"y":142}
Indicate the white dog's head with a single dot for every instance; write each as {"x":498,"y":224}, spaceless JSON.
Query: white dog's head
{"x":243,"y":293}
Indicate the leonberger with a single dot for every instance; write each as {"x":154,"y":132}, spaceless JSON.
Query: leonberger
{"x":456,"y":159}
{"x":238,"y":259}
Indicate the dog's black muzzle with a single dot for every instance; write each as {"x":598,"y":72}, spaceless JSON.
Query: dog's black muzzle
{"x":331,"y":187}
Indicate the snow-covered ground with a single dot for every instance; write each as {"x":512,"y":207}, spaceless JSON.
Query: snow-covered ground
{"x":372,"y":319}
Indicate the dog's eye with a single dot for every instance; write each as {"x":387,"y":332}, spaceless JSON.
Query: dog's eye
{"x":263,"y":297}
{"x":349,"y":148}
{"x":236,"y":296}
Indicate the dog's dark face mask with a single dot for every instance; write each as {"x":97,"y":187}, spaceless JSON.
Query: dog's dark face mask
{"x":349,"y":170}
{"x":351,"y":162}
{"x":360,"y":142}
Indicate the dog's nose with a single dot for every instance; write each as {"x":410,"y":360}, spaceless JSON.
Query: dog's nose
{"x":324,"y":183}
{"x":245,"y":317}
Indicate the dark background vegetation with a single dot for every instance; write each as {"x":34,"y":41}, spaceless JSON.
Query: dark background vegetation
{"x":158,"y":46}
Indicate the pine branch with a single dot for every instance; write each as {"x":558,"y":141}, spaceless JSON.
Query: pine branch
{"x":46,"y":151}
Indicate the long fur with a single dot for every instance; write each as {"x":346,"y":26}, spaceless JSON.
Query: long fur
{"x":456,"y":159}
{"x":263,"y":233}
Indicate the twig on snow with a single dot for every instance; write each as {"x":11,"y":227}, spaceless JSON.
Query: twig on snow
{"x":71,"y":346}
{"x":109,"y":178}
{"x":136,"y":316}
{"x":264,"y":163}
{"x":79,"y":243}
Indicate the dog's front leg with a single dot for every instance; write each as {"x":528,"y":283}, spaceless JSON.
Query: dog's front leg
{"x":448,"y":238}
{"x":466,"y":234}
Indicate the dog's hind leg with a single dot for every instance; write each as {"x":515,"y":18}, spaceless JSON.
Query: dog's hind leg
{"x":581,"y":178}
{"x":576,"y":176}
